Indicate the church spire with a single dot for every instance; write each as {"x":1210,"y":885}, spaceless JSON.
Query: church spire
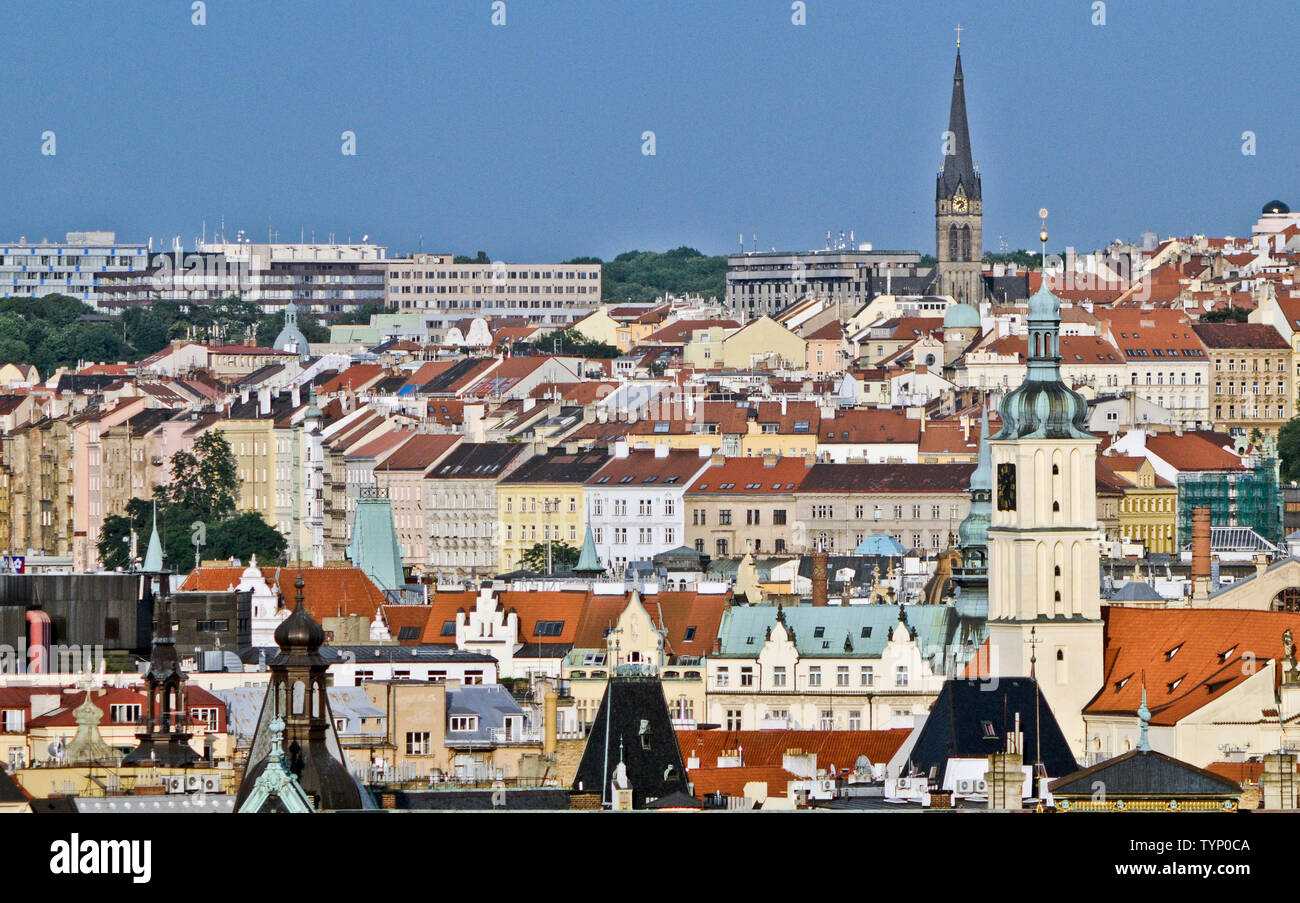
{"x":958,"y":164}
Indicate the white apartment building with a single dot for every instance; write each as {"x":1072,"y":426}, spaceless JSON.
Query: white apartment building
{"x":544,"y":293}
{"x":635,"y":503}
{"x":75,"y":267}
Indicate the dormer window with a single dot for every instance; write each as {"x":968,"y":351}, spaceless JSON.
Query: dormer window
{"x":1226,"y":654}
{"x":1169,"y":656}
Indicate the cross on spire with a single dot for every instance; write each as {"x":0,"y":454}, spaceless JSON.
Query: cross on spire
{"x":958,"y":29}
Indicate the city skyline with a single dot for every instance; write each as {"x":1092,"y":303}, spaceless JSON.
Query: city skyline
{"x":560,"y":171}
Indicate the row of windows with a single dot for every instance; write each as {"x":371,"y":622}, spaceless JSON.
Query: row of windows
{"x":866,"y":676}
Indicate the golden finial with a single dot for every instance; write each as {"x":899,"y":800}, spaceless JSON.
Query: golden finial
{"x":958,"y":30}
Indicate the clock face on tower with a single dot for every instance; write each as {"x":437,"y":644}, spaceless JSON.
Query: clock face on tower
{"x":1006,"y":487}
{"x":959,"y":204}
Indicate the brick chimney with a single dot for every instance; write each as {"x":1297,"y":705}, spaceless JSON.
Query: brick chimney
{"x":1200,"y":554}
{"x":819,"y":577}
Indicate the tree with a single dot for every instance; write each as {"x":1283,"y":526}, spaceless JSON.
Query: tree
{"x":481,"y":257}
{"x":1288,"y":449}
{"x":245,"y":535}
{"x":563,"y":557}
{"x":204,"y":481}
{"x":114,"y":543}
{"x":570,"y":341}
{"x":1226,"y":315}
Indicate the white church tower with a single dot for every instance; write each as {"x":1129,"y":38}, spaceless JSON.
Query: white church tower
{"x":1044,"y":541}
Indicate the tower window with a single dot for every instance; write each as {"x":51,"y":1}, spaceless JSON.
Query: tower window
{"x":1056,"y":470}
{"x":1056,"y":506}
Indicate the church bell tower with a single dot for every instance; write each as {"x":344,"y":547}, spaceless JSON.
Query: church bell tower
{"x":959,"y":213}
{"x":1043,"y":535}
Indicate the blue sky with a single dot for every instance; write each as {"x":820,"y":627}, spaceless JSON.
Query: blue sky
{"x":525,"y":140}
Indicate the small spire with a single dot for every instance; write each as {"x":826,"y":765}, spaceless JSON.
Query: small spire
{"x":298,"y":586}
{"x":1144,"y":716}
{"x":153,"y":558}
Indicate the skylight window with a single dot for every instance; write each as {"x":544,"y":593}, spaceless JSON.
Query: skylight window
{"x":548,"y":628}
{"x":1169,"y":656}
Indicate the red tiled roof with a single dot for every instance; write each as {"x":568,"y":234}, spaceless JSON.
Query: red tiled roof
{"x":1191,"y":452}
{"x":421,"y":451}
{"x":399,"y":616}
{"x":352,"y":379}
{"x":679,"y":331}
{"x":752,"y":475}
{"x":328,"y":592}
{"x":731,"y":781}
{"x":1240,"y":335}
{"x":837,"y":749}
{"x":870,"y":425}
{"x":1187,"y":658}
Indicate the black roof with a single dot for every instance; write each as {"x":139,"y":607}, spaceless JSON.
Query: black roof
{"x":10,"y":792}
{"x":1141,"y":772}
{"x":558,"y":466}
{"x":972,"y":717}
{"x":471,"y":460}
{"x":632,"y":723}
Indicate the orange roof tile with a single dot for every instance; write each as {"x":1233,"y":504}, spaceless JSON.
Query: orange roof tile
{"x":1187,"y":658}
{"x":327,"y":591}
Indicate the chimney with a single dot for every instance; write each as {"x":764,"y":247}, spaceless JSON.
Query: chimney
{"x":770,"y":460}
{"x":264,"y":400}
{"x":661,"y":451}
{"x":620,"y":448}
{"x":295,"y":395}
{"x":1200,"y":554}
{"x":819,"y":578}
{"x":552,"y":725}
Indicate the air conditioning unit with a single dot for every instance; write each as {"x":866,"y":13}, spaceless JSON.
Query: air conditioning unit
{"x":210,"y":783}
{"x":193,"y":782}
{"x":174,"y":783}
{"x":968,"y":786}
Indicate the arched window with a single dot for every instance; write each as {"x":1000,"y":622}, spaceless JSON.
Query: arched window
{"x":1060,"y":655}
{"x":953,"y":248}
{"x":1058,"y":571}
{"x":1287,"y":600}
{"x":1056,"y":506}
{"x":299,"y":698}
{"x":965,"y":243}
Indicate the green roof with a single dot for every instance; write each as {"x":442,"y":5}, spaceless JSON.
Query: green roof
{"x":744,"y":629}
{"x":374,"y":547}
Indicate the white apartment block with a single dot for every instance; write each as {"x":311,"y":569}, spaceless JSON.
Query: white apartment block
{"x":544,"y":293}
{"x":74,"y":267}
{"x":635,"y":503}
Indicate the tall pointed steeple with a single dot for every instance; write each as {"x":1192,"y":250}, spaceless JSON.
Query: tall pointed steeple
{"x":959,"y":165}
{"x":153,"y":557}
{"x":959,"y":214}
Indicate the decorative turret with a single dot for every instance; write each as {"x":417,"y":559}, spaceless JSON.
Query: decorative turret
{"x":297,"y":696}
{"x":165,"y":738}
{"x":589,"y":562}
{"x":973,"y":534}
{"x":1044,"y":407}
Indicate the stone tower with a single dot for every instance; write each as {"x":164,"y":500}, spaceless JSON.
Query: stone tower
{"x":958,"y":210}
{"x":1043,"y":537}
